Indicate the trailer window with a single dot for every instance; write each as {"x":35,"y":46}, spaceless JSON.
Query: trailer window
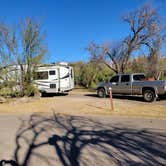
{"x":43,"y":75}
{"x":52,"y":72}
{"x":125,"y":78}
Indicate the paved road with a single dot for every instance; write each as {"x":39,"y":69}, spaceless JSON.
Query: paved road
{"x":91,"y":141}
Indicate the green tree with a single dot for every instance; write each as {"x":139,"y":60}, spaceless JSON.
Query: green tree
{"x":22,"y":46}
{"x":34,"y":50}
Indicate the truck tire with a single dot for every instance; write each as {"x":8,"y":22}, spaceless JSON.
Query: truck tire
{"x":101,"y":93}
{"x":149,"y":95}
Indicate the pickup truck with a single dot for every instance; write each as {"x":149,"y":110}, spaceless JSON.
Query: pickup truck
{"x":132,"y":84}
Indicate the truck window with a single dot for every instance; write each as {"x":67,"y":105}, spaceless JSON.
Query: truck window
{"x":139,"y":77}
{"x":125,"y":78}
{"x":42,"y":75}
{"x":115,"y":79}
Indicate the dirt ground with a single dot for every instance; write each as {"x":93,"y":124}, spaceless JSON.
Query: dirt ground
{"x":80,"y":129}
{"x":86,"y":103}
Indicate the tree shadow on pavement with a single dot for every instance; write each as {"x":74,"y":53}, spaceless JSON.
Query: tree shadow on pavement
{"x":8,"y":162}
{"x":73,"y":141}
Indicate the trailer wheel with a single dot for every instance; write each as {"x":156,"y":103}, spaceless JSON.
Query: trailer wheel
{"x":149,"y":95}
{"x":101,"y":93}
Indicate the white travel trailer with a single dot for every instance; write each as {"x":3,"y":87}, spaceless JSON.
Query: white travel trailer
{"x":55,"y":78}
{"x":50,"y":78}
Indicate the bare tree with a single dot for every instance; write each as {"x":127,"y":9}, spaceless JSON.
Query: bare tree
{"x":144,"y":25}
{"x":8,"y":45}
{"x":100,"y":54}
{"x":8,"y":51}
{"x":113,"y":56}
{"x":95,"y":51}
{"x":94,"y":66}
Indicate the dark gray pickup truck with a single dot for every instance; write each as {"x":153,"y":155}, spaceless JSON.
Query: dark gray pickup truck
{"x":133,"y":84}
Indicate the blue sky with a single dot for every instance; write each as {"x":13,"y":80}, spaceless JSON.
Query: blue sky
{"x":71,"y":25}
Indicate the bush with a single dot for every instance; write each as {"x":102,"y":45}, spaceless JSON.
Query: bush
{"x":30,"y":90}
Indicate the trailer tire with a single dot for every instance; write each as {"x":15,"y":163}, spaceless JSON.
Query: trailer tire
{"x":149,"y":95}
{"x":101,"y":93}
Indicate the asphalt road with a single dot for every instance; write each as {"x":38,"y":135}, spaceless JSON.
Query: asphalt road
{"x":33,"y":140}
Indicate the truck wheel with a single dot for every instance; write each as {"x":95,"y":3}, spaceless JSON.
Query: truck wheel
{"x":101,"y":93}
{"x":149,"y":96}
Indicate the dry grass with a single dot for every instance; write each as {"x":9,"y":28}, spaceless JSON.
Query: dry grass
{"x":79,"y":104}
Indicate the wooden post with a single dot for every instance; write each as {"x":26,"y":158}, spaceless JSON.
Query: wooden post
{"x":111,"y":100}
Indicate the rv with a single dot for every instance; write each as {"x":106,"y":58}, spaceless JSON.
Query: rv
{"x":55,"y":78}
{"x":50,"y":78}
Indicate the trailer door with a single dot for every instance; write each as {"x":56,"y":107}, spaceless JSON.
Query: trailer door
{"x":71,"y":78}
{"x":64,"y":80}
